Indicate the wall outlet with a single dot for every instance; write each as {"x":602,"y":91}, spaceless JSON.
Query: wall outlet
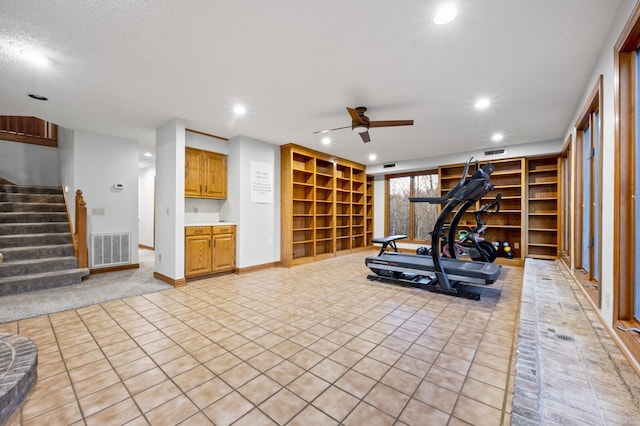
{"x":606,"y":299}
{"x":516,"y":245}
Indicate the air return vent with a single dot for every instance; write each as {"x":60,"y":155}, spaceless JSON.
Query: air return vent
{"x":390,"y":165}
{"x":494,"y":152}
{"x":110,"y":249}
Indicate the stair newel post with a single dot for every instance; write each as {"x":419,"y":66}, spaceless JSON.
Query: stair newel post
{"x":81,"y":231}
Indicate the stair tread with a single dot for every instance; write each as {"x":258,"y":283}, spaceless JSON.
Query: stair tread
{"x":44,"y":247}
{"x":76,"y":271}
{"x":34,"y":261}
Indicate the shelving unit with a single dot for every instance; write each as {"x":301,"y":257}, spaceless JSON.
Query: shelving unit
{"x":508,"y":179}
{"x":542,"y":216}
{"x":326,"y":206}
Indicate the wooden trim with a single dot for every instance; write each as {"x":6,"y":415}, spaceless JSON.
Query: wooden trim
{"x":322,"y":156}
{"x":34,"y":140}
{"x":4,"y":181}
{"x":115,"y":268}
{"x":81,"y":231}
{"x":210,"y":275}
{"x":176,"y":283}
{"x":207,"y":134}
{"x":142,"y":246}
{"x":257,"y":268}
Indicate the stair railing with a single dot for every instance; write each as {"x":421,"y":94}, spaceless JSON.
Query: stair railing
{"x":80,"y":234}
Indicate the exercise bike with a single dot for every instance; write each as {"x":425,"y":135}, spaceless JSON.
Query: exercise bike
{"x":470,"y":242}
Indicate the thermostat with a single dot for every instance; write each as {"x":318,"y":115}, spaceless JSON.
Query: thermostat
{"x":118,"y":185}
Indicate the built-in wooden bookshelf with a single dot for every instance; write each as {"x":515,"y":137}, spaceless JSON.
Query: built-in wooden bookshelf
{"x":508,"y":179}
{"x":327,"y":205}
{"x":542,"y":213}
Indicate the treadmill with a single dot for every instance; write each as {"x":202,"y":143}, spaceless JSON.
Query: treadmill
{"x":433,"y":272}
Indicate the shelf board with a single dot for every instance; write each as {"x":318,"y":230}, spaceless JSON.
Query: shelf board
{"x":308,"y":172}
{"x":302,"y":229}
{"x":302,"y":242}
{"x":318,"y":240}
{"x":542,"y":245}
{"x":544,"y":199}
{"x":504,"y":226}
{"x":542,"y":183}
{"x":304,"y":215}
{"x":550,"y":213}
{"x":543,"y":229}
{"x":343,"y":237}
{"x":542,"y":256}
{"x":507,"y":172}
{"x":550,"y":169}
{"x":324,"y":174}
{"x":304,"y":200}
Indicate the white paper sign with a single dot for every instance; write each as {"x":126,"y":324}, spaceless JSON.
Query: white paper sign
{"x":261,"y":182}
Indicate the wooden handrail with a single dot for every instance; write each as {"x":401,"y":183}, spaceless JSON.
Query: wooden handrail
{"x":80,"y":234}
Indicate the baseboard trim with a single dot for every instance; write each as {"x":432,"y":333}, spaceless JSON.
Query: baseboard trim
{"x":142,"y":246}
{"x":258,"y":267}
{"x":168,"y":280}
{"x":114,"y":268}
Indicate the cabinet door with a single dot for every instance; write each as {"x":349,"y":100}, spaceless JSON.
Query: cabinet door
{"x":193,"y":173}
{"x":197,"y":259}
{"x":215,"y":175}
{"x":224,"y":255}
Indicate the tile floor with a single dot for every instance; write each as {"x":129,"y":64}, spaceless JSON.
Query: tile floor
{"x":314,"y":344}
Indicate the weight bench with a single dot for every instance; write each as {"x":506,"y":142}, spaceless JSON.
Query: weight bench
{"x":389,"y":241}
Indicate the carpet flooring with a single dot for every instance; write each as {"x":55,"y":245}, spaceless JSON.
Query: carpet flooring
{"x":98,"y":288}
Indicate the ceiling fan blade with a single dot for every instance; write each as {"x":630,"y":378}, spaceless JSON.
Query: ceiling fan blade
{"x":331,"y":130}
{"x":390,"y":123}
{"x":355,"y":116}
{"x":365,"y":137}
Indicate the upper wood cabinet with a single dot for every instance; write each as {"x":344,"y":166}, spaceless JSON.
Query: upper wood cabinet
{"x":205,"y":174}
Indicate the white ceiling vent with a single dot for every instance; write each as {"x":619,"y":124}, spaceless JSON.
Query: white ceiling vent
{"x":496,"y":152}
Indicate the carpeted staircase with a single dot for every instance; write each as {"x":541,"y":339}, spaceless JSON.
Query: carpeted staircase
{"x":35,"y":240}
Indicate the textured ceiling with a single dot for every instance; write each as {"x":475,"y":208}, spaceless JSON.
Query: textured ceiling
{"x":125,"y":68}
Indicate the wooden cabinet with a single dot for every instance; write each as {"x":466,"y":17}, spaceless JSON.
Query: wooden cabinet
{"x":369,"y":211}
{"x":542,"y":214}
{"x":324,"y":205}
{"x":209,"y":249}
{"x":197,"y":247}
{"x":205,"y":174}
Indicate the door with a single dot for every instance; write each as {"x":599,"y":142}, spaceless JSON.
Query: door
{"x":197,"y":255}
{"x":224,"y":255}
{"x":192,"y":173}
{"x":215,"y":175}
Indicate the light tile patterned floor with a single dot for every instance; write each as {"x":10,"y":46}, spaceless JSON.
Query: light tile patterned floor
{"x":317,"y":344}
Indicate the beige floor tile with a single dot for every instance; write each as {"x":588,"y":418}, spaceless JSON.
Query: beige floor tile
{"x":36,"y":406}
{"x":308,"y":386}
{"x":475,"y":412}
{"x":285,"y":372}
{"x":198,"y":419}
{"x":116,"y":414}
{"x":283,"y":406}
{"x":126,"y":371}
{"x":64,"y":415}
{"x":489,"y":395}
{"x":417,"y":413}
{"x":228,"y":409}
{"x":223,"y":363}
{"x":372,"y":368}
{"x":156,"y":395}
{"x":145,"y":380}
{"x":95,"y":383}
{"x":336,"y":403}
{"x":328,"y":370}
{"x":172,"y":412}
{"x":209,"y":392}
{"x":387,"y":399}
{"x":365,"y":414}
{"x":445,"y":378}
{"x":103,"y":398}
{"x":253,"y":418}
{"x":192,"y":378}
{"x":436,"y":396}
{"x":401,"y":381}
{"x":312,"y":416}
{"x":488,"y":375}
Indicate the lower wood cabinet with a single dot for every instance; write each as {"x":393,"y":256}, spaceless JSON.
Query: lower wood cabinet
{"x":209,"y":249}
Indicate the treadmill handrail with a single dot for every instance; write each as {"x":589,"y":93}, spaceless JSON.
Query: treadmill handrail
{"x":459,"y":191}
{"x":446,"y":197}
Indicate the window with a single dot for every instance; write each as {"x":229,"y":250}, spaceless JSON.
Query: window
{"x":588,"y":214}
{"x":626,"y":253}
{"x":413,"y":219}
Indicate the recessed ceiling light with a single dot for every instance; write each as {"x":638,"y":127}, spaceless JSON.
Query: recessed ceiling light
{"x":240,"y":110}
{"x":445,"y":14}
{"x":326,"y":140}
{"x":148,"y":154}
{"x":38,"y":97}
{"x":372,"y":157}
{"x":497,"y":137}
{"x":482,"y":103}
{"x":35,"y":57}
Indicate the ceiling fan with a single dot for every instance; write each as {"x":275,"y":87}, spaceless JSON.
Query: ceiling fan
{"x":360,"y":123}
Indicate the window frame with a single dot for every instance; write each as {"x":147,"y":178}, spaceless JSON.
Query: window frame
{"x":411,"y":237}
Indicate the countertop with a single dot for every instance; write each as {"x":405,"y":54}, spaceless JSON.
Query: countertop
{"x":210,"y":224}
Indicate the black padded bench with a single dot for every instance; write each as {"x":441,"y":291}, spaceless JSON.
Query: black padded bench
{"x":389,"y":241}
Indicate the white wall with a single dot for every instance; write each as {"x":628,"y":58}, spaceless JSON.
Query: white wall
{"x":258,"y":238}
{"x":101,"y":161}
{"x":169,"y":224}
{"x":66,"y":147}
{"x":605,"y":66}
{"x":146,"y":205}
{"x":28,"y":164}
